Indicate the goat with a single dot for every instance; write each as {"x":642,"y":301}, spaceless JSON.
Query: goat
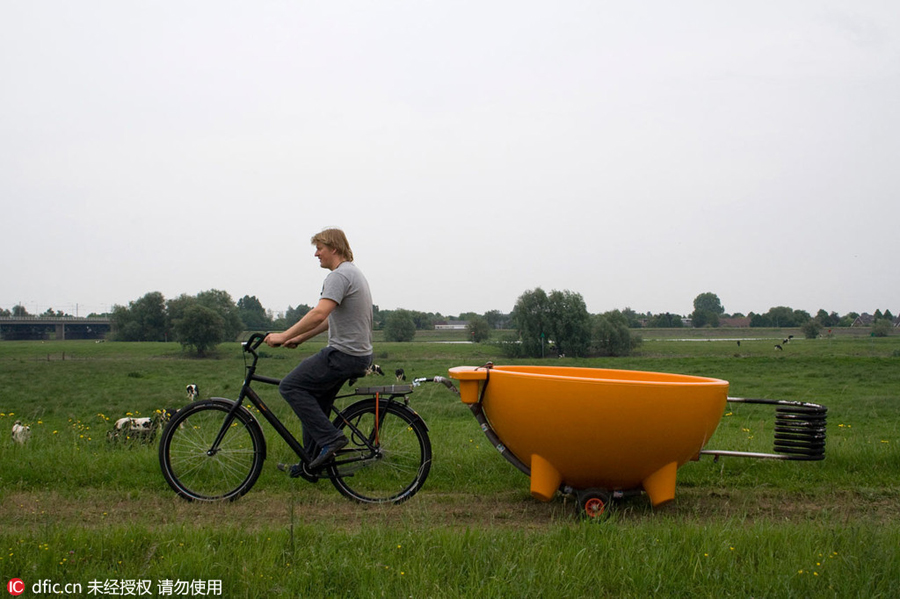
{"x":193,"y":392}
{"x":139,"y":429}
{"x":400,"y":374}
{"x":20,"y":432}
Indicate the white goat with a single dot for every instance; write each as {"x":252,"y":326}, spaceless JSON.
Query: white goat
{"x":20,"y":432}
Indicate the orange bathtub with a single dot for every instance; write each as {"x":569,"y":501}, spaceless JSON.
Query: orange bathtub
{"x":587,"y":428}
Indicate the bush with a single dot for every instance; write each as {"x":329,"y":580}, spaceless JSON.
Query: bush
{"x":882,"y":328}
{"x":611,"y":336}
{"x":201,"y":328}
{"x":400,"y":326}
{"x":560,"y":318}
{"x":704,"y":318}
{"x":479,"y":330}
{"x":811,"y":329}
{"x":510,"y":346}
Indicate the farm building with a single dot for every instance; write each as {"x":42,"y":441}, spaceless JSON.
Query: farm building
{"x":863,"y":320}
{"x":866,"y":320}
{"x":455,"y":325}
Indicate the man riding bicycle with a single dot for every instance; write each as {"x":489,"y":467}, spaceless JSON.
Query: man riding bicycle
{"x":345,"y":311}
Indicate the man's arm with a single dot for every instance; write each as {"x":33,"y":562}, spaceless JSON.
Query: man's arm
{"x":313,"y":322}
{"x":297,"y":340}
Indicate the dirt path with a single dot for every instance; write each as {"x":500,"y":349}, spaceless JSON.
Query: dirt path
{"x":261,"y":510}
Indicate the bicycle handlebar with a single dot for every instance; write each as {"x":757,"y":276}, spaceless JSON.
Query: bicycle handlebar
{"x":254,"y":342}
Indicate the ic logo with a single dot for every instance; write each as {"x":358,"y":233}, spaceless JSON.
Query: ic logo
{"x":15,"y":586}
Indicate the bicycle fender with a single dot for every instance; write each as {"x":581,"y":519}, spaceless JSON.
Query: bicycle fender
{"x":414,"y":414}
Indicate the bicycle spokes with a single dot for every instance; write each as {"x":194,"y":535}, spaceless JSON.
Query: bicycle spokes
{"x":388,"y":457}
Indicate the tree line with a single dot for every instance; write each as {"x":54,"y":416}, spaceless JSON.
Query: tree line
{"x":560,"y":323}
{"x":202,"y":321}
{"x":708,"y":311}
{"x":541,"y":324}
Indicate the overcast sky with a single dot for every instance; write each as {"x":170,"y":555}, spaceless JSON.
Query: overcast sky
{"x":637,"y":153}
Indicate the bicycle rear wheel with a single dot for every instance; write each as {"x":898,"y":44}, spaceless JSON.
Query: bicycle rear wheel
{"x":387,"y":463}
{"x":196,"y":471}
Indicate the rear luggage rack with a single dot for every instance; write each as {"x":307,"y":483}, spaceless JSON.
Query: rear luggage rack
{"x":799,"y":431}
{"x":384,"y":390}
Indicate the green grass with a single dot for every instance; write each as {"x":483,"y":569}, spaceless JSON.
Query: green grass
{"x":661,"y":558}
{"x":76,"y":508}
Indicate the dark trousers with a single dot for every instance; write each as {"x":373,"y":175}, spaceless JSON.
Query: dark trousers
{"x":311,"y":387}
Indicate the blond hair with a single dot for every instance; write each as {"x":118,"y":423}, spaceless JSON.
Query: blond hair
{"x":336,"y":240}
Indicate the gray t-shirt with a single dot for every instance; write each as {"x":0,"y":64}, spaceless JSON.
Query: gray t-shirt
{"x":350,"y":324}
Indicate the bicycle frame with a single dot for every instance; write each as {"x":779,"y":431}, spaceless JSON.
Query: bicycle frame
{"x":247,"y":392}
{"x":215,"y":449}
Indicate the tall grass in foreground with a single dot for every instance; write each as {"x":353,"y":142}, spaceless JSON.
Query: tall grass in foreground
{"x":593,"y":559}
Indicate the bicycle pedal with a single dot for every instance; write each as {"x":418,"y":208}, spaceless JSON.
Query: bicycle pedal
{"x":298,"y":471}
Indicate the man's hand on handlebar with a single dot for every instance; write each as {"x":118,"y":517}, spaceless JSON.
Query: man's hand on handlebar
{"x":274,"y":340}
{"x":279,"y":340}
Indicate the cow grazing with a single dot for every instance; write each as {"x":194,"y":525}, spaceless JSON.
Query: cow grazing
{"x":400,"y":374}
{"x":142,"y":430}
{"x":20,"y":432}
{"x":193,"y":392}
{"x":373,"y":369}
{"x":778,"y":347}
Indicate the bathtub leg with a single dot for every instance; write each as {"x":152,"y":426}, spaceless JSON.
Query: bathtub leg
{"x":545,"y":479}
{"x":660,"y":485}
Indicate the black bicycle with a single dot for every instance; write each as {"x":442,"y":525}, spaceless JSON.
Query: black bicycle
{"x":214,"y":449}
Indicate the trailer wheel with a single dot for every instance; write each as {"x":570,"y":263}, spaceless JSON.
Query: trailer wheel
{"x":594,"y":504}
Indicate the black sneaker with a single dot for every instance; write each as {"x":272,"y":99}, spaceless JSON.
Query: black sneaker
{"x":298,"y":471}
{"x":327,"y":453}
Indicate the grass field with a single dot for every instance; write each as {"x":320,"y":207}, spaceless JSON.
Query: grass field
{"x":76,"y":509}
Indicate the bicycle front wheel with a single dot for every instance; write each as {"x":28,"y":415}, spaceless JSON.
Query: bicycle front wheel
{"x":198,"y":471}
{"x":387,"y":459}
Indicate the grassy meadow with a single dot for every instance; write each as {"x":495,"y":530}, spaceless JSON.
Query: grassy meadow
{"x":76,"y":508}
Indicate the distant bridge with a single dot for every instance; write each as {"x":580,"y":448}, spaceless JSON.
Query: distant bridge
{"x":39,"y":327}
